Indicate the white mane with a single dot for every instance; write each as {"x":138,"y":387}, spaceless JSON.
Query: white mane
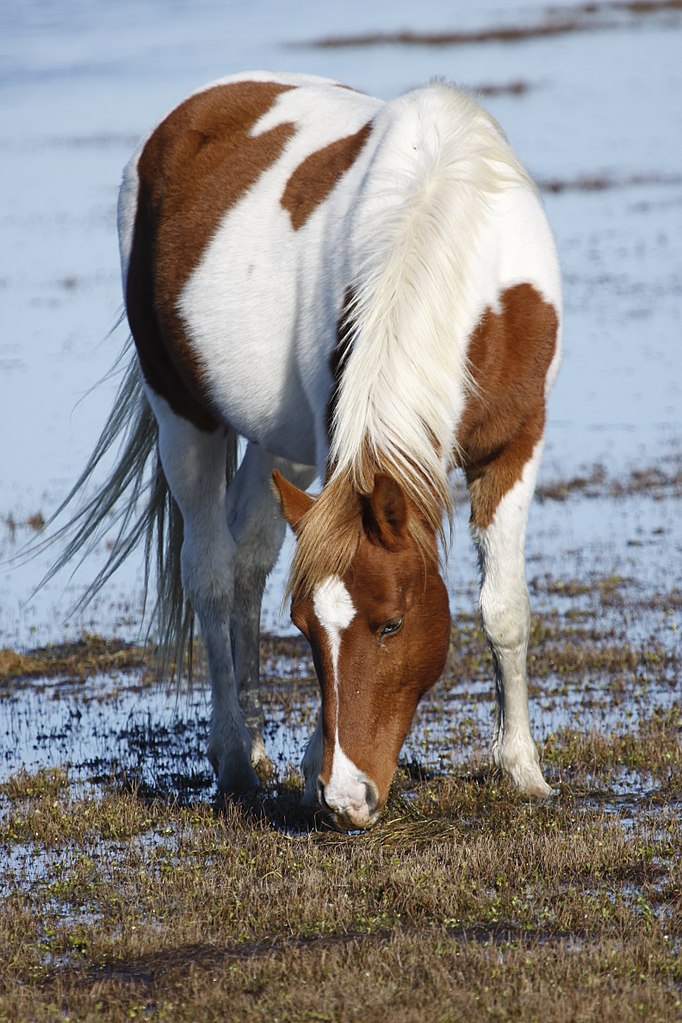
{"x":405,"y":377}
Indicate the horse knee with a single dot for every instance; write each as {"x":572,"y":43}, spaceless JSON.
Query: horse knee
{"x":506,"y":619}
{"x":208,"y":573}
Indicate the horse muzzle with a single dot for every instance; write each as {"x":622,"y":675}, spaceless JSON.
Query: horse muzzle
{"x":354,"y":805}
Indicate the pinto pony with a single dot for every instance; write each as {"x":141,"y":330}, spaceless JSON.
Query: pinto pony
{"x":366,"y":292}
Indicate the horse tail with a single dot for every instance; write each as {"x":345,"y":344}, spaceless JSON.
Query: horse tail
{"x":136,"y":499}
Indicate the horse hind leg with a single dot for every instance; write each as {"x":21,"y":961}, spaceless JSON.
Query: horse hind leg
{"x":257,"y":525}
{"x":498,"y":528}
{"x":194,"y":463}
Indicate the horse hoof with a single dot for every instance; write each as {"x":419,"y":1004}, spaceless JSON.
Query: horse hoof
{"x":310,"y":798}
{"x":243,"y":784}
{"x":236,"y":776}
{"x":528,"y":781}
{"x":259,"y":757}
{"x":523,"y":771}
{"x":538,"y":789}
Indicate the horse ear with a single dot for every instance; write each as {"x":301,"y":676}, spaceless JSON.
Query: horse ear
{"x":293,"y":502}
{"x":385,"y":513}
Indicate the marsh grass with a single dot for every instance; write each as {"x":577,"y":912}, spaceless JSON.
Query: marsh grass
{"x":75,"y":661}
{"x":657,"y":481}
{"x":587,"y":17}
{"x":465,"y":899}
{"x":122,"y":899}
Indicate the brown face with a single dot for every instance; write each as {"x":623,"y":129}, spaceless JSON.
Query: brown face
{"x":379,"y":637}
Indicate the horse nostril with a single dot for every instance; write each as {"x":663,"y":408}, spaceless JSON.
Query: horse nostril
{"x":371,"y":796}
{"x":320,"y":795}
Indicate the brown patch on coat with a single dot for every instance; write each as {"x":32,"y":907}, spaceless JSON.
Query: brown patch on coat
{"x":314,"y":179}
{"x":510,"y":353}
{"x":193,"y":169}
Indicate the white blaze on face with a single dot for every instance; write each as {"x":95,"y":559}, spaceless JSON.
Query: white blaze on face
{"x":335,"y":611}
{"x":347,"y":786}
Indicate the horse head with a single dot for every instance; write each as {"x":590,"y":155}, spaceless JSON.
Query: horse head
{"x":379,"y":631}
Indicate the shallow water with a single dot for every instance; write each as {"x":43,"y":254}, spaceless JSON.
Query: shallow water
{"x":79,"y":84}
{"x":616,"y":641}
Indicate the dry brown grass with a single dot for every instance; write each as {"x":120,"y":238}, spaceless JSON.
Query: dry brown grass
{"x":121,"y":902}
{"x":76,"y":660}
{"x":589,"y":17}
{"x":664,"y":479}
{"x":465,"y":900}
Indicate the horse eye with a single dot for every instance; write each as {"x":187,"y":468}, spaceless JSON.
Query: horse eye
{"x":391,"y":627}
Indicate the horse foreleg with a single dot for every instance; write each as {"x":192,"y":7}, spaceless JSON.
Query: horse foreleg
{"x":194,"y":463}
{"x":499,"y":530}
{"x":256,"y":523}
{"x":312,"y":765}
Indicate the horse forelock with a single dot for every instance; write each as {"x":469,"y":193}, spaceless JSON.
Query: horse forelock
{"x":330,"y":534}
{"x":327,"y":539}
